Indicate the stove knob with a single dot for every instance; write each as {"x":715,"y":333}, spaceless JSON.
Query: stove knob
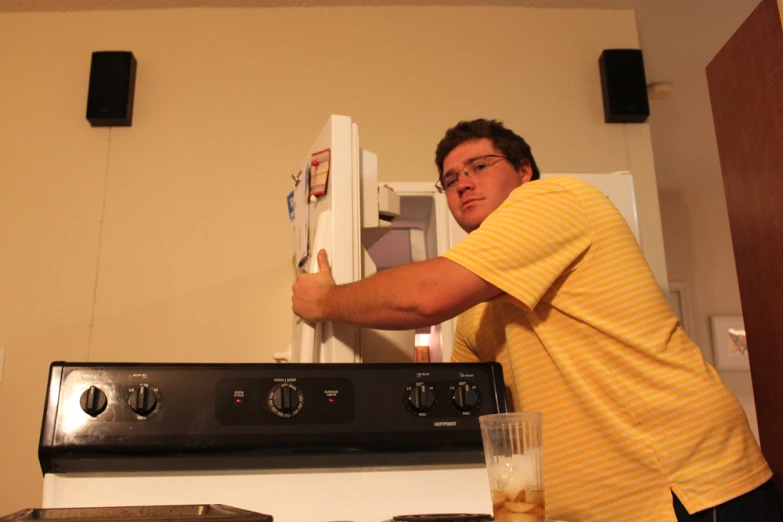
{"x":465,"y":397}
{"x":143,"y":400}
{"x":421,"y":398}
{"x":93,"y":401}
{"x":286,"y":400}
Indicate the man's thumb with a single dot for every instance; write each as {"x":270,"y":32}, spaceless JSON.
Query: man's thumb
{"x":323,"y":261}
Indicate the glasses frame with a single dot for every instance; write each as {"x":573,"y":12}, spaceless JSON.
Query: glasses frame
{"x":439,"y":184}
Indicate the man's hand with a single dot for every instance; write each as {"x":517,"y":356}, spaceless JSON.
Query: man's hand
{"x":312,"y":290}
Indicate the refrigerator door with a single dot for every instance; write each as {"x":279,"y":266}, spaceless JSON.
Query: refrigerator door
{"x":333,"y":224}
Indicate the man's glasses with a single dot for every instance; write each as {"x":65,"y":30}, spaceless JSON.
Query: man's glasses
{"x":471,"y":169}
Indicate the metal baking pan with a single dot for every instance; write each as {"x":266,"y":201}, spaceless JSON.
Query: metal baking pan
{"x":190,"y":513}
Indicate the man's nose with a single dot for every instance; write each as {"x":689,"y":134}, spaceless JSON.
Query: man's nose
{"x":464,"y":182}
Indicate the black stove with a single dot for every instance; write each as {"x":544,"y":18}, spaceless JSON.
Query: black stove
{"x":158,"y":417}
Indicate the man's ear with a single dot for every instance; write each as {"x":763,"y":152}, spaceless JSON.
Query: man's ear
{"x":526,"y":171}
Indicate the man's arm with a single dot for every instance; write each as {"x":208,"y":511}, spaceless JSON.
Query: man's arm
{"x":407,"y":296}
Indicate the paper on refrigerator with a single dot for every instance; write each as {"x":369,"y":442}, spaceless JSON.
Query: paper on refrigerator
{"x":299,"y":214}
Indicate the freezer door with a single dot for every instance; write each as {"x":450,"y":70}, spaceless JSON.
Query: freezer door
{"x":331,"y":222}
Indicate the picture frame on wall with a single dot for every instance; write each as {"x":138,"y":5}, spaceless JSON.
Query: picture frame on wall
{"x":730,"y":345}
{"x":677,"y":296}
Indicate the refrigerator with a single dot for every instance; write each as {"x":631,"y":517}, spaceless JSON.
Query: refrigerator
{"x":337,"y":204}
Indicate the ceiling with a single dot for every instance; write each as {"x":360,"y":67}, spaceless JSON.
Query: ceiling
{"x":678,"y":37}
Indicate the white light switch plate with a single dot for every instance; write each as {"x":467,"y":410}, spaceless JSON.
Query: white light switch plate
{"x":2,"y":356}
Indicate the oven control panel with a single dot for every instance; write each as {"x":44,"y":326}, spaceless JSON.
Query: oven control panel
{"x":270,"y":410}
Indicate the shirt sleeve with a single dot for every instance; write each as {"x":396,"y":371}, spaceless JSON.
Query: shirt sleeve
{"x":537,"y":235}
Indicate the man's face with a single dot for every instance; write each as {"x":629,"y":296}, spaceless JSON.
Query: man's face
{"x":474,"y":197}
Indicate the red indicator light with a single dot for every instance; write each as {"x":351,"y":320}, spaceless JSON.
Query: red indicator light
{"x":238,"y":400}
{"x":331,"y":400}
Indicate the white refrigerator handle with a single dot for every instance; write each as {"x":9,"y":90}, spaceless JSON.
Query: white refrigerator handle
{"x":312,"y":336}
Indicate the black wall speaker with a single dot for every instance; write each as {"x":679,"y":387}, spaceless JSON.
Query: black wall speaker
{"x":624,"y":86}
{"x":112,"y":82}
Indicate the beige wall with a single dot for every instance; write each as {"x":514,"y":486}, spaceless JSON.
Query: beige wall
{"x":699,"y":253}
{"x":169,"y":240}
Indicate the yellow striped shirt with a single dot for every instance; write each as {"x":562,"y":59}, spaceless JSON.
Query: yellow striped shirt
{"x":631,"y":409}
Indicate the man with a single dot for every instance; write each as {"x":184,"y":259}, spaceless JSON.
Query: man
{"x":551,"y":283}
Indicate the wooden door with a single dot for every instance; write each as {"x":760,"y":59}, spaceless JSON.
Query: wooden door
{"x":746,"y":91}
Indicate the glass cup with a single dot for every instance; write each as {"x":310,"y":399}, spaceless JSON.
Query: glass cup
{"x":515,"y":465}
